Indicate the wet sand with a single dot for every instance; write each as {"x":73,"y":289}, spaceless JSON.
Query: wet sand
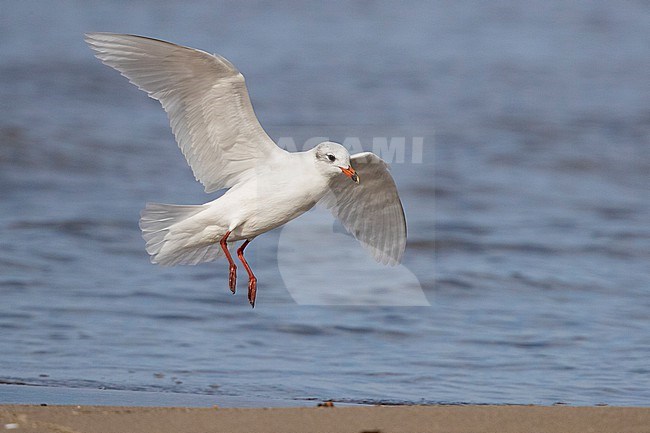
{"x":368,"y":419}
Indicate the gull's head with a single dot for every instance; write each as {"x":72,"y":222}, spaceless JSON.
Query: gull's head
{"x":334,"y":160}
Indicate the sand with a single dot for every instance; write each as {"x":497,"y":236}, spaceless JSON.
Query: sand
{"x":367,"y":419}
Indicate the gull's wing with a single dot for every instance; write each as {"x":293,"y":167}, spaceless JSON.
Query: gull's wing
{"x":371,"y":210}
{"x":205,"y":98}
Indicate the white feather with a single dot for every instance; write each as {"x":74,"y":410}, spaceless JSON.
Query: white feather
{"x":206,"y":100}
{"x":371,"y":211}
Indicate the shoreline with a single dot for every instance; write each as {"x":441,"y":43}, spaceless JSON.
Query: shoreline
{"x":12,"y":394}
{"x":375,"y":419}
{"x":54,"y":395}
{"x":29,"y":408}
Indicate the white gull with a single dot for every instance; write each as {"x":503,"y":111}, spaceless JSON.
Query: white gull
{"x":215,"y":126}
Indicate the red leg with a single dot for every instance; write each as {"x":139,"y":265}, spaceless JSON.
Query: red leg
{"x":232,"y":277}
{"x":252,"y":280}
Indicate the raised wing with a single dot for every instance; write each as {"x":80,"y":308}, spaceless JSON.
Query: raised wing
{"x":205,"y":98}
{"x":371,"y":210}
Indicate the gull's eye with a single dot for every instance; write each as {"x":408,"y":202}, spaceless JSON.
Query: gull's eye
{"x":331,"y":157}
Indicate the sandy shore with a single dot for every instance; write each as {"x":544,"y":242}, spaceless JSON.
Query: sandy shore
{"x":371,"y":419}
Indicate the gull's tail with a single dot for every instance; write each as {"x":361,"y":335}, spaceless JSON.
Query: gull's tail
{"x":170,"y":239}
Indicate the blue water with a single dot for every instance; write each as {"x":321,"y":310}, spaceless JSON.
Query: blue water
{"x":525,"y":278}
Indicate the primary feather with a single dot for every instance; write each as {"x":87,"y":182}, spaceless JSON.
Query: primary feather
{"x":371,"y":211}
{"x":205,"y":98}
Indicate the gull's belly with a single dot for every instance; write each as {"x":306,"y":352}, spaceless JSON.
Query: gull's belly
{"x":270,"y":216}
{"x":265,"y":204}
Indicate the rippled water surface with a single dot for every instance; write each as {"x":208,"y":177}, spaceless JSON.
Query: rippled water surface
{"x":528,"y":211}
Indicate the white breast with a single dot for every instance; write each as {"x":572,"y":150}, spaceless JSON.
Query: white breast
{"x":277,"y":194}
